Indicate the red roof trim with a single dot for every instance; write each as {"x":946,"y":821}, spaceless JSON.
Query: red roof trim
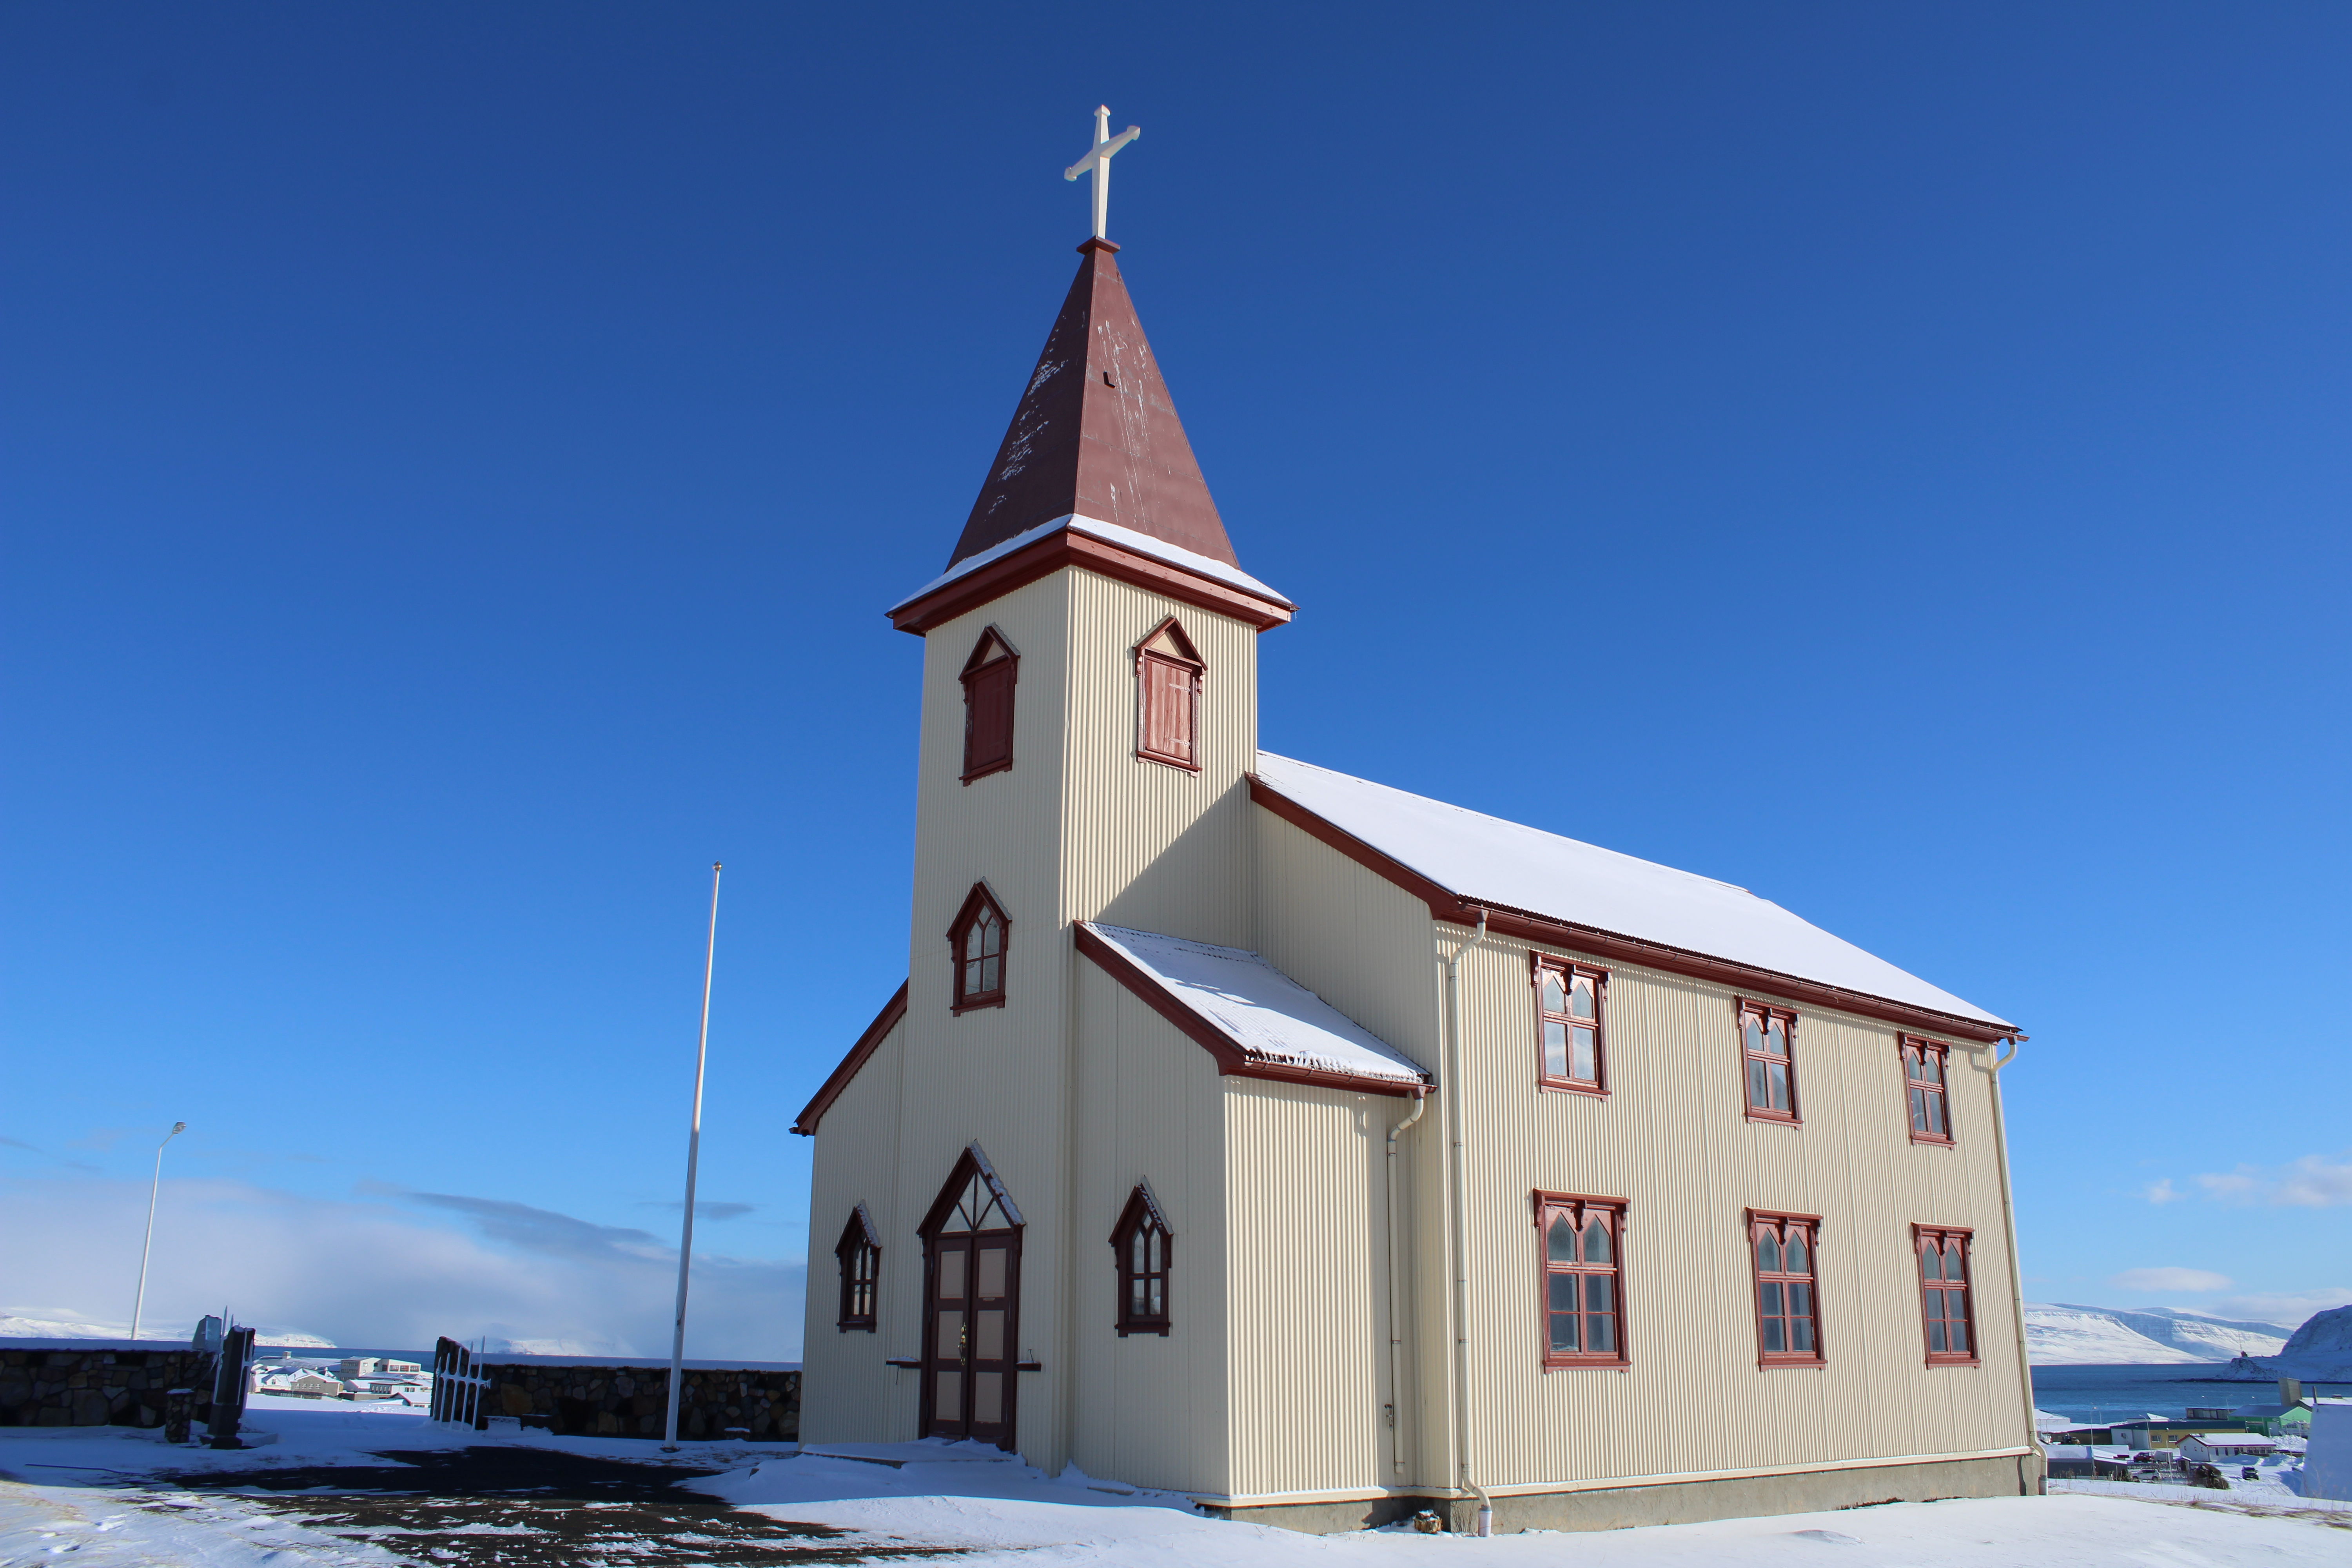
{"x":1232,"y":1060}
{"x":1068,"y":547}
{"x":868,"y":1044}
{"x":1525,"y":925}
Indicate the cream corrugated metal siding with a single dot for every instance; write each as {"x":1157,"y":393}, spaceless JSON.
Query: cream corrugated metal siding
{"x":1308,"y":1332}
{"x":1672,"y":1140}
{"x":1146,"y":844}
{"x":844,"y":1386}
{"x":1149,"y":1410}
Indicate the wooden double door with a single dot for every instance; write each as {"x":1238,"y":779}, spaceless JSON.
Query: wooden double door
{"x":972,"y":1317}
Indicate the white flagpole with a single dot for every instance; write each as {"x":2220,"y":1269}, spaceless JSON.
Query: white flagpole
{"x":693,"y":1151}
{"x":139,"y":1303}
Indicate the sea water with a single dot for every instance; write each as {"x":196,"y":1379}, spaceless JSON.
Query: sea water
{"x":2121,"y":1391}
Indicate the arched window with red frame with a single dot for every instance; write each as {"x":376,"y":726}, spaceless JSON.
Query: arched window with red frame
{"x":1568,"y":1046}
{"x":989,"y":677}
{"x":978,"y":941}
{"x":860,"y":1252}
{"x":1168,"y":670}
{"x":1141,"y":1244}
{"x":1581,"y":1242}
{"x":1927,"y":1067}
{"x":1786,"y":1251}
{"x":1768,"y":1037}
{"x":1944,"y":1294}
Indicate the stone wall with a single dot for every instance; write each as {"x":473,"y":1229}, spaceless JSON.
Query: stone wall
{"x":90,"y":1386}
{"x":634,"y":1400}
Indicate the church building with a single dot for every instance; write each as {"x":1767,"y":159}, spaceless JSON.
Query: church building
{"x":1328,"y":1152}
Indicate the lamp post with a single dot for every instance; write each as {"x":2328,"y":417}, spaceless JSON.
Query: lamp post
{"x":139,"y":1303}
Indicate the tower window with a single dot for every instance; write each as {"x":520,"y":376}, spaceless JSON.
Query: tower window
{"x":976,"y":942}
{"x":1168,"y":671}
{"x":1141,"y":1244}
{"x":1925,"y":1068}
{"x":860,"y":1252}
{"x":1568,"y":1024}
{"x":1583,"y":1279}
{"x":989,"y":676}
{"x":1768,"y":1050}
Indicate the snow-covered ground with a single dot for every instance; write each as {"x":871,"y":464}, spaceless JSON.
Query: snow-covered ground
{"x":92,"y":1497}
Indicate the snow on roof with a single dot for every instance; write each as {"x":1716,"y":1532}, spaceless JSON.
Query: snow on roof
{"x":1488,"y":860}
{"x":1109,"y":533}
{"x":1269,"y":1015}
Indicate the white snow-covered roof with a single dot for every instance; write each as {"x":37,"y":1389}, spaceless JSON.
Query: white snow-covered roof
{"x":1488,"y":860}
{"x":1109,"y":533}
{"x":1269,"y":1016}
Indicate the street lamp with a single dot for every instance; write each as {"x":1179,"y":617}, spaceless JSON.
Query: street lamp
{"x":139,"y":1304}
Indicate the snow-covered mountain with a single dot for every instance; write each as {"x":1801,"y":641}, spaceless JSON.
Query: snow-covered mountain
{"x":2320,"y":1351}
{"x":61,"y":1323}
{"x":57,"y":1324}
{"x":2059,"y":1334}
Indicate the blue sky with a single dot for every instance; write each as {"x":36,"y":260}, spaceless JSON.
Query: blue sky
{"x":1889,"y":456}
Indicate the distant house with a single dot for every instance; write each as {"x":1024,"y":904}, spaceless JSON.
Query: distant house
{"x":2164,"y":1432}
{"x":2275,"y":1420}
{"x":353,"y":1366}
{"x":301,"y":1381}
{"x":2227,"y":1447}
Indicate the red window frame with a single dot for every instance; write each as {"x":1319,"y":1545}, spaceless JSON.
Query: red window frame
{"x":1142,"y":1246}
{"x":989,"y":677}
{"x":1784,"y":1251}
{"x":1168,"y":670}
{"x":1947,"y":1302}
{"x":1580,"y":1298}
{"x":860,"y":1251}
{"x":1757,"y":1061}
{"x":1927,"y":1089}
{"x":1557,"y":1045}
{"x":980,"y":946}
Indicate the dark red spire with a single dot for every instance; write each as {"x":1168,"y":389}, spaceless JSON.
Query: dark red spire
{"x":1095,"y":433}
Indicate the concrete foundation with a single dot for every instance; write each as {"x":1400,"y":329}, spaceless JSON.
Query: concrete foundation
{"x":1674,"y":1502}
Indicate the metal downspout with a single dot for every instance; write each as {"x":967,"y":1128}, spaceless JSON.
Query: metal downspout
{"x":1457,"y":1116}
{"x":1396,"y":1317}
{"x":2009,"y":1222}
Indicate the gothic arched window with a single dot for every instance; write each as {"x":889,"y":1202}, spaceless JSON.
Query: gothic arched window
{"x":1141,"y":1243}
{"x":860,"y":1251}
{"x":1767,"y":1044}
{"x":1568,"y":1024}
{"x":976,"y":944}
{"x":1925,"y":1077}
{"x":1583,"y":1279}
{"x":1785,"y":1249}
{"x":1944,"y":1294}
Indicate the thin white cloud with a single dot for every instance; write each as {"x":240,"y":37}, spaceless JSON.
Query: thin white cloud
{"x":704,"y":1208}
{"x":2315,"y":1181}
{"x":2194,"y":1280}
{"x":2287,"y":1308}
{"x":2163,"y":1192}
{"x":382,"y":1274}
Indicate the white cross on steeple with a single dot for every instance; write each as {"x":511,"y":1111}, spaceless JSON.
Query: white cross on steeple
{"x":1098,"y":160}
